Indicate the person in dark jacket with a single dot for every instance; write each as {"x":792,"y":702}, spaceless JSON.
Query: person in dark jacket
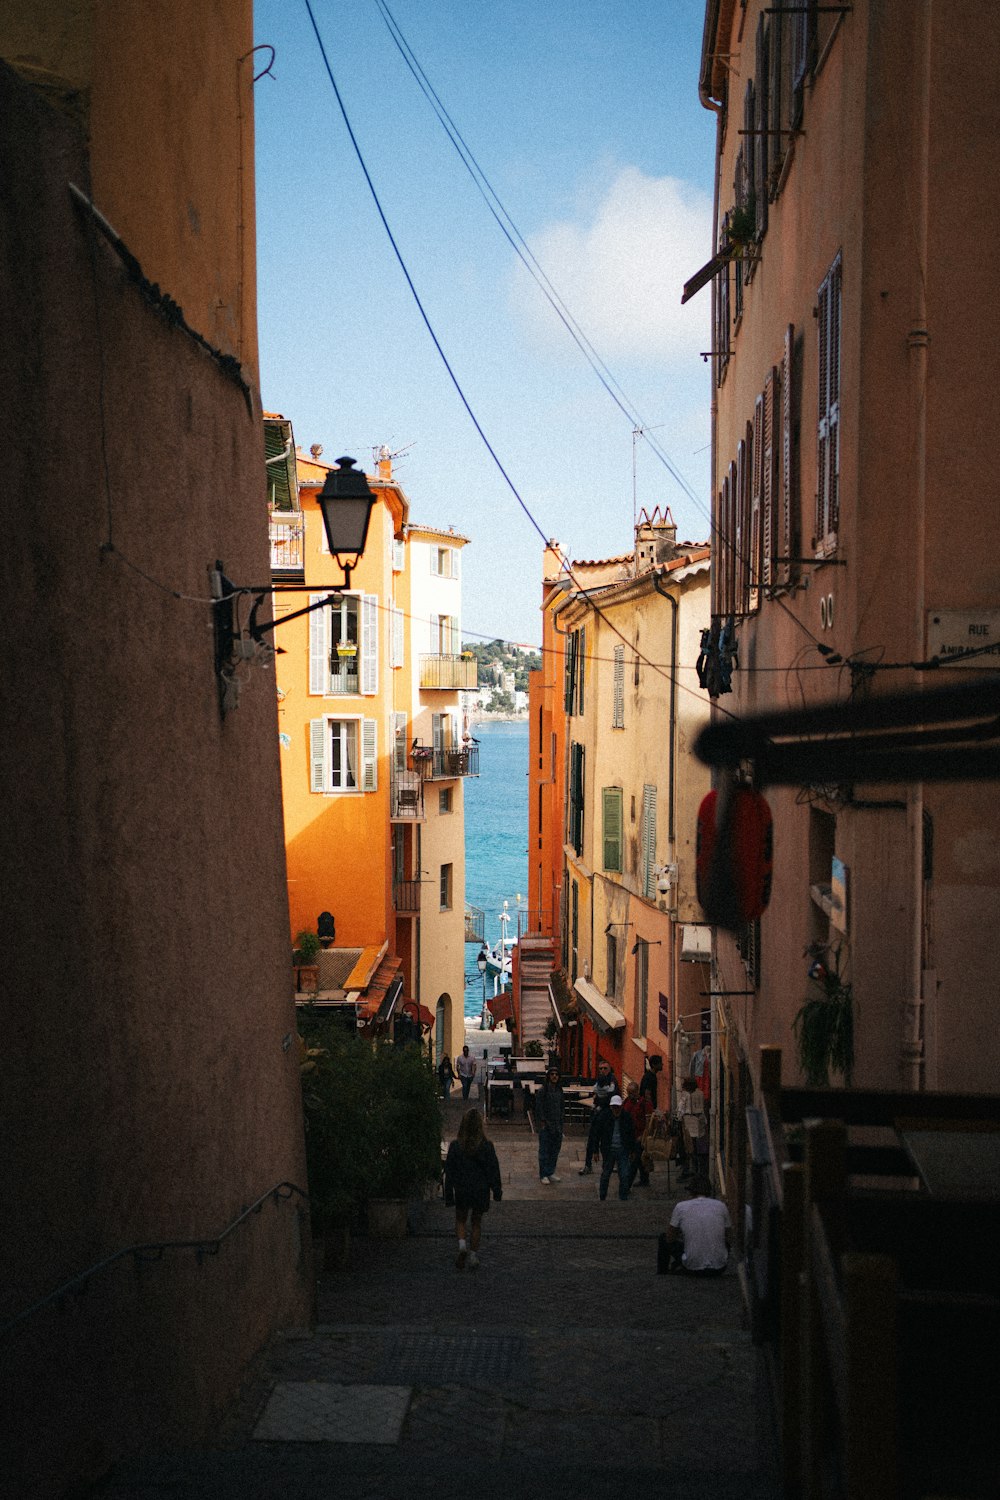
{"x":446,"y":1077}
{"x":617,"y":1142}
{"x":471,"y":1173}
{"x":549,"y":1110}
{"x":604,"y":1086}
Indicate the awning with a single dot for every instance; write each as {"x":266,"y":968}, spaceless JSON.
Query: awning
{"x":392,"y":994}
{"x":703,"y":277}
{"x":605,"y":1016}
{"x":501,"y":1007}
{"x":696,"y":944}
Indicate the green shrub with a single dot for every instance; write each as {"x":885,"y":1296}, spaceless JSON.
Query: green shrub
{"x":372,"y":1119}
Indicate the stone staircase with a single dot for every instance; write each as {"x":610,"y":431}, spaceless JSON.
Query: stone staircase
{"x":536,"y":961}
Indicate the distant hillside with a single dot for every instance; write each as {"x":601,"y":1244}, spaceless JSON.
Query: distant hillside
{"x":494,"y":655}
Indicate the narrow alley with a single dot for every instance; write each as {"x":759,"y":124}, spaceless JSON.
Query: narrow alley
{"x":563,"y":1366}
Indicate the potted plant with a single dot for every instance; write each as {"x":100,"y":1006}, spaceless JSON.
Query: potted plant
{"x":346,"y":648}
{"x":304,"y":959}
{"x":533,"y":1049}
{"x":824,"y":1025}
{"x":741,"y":227}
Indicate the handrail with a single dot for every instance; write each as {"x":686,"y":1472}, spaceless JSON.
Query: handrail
{"x":149,"y":1253}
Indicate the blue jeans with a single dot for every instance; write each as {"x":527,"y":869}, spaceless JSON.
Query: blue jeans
{"x":549,"y":1146}
{"x":466,"y":1086}
{"x":622,"y":1161}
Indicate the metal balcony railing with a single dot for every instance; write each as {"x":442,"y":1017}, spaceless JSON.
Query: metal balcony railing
{"x":475,"y":924}
{"x":460,"y":760}
{"x":448,"y":672}
{"x":406,"y":895}
{"x":287,"y":531}
{"x":407,"y":797}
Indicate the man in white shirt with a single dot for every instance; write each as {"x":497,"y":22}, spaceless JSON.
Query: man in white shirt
{"x":465,"y":1067}
{"x":700,"y":1234}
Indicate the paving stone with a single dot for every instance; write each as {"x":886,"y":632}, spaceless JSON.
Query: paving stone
{"x":313,"y":1411}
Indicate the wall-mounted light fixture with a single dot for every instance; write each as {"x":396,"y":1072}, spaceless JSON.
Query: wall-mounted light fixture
{"x":645,"y":943}
{"x":346,"y":504}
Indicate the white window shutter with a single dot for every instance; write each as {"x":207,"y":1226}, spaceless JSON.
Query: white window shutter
{"x":399,"y":748}
{"x":618,"y":707}
{"x":369,"y":645}
{"x":319,"y":648}
{"x":435,"y":567}
{"x":369,"y":755}
{"x":317,"y":755}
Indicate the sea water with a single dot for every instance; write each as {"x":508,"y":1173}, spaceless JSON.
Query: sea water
{"x":496,"y":841}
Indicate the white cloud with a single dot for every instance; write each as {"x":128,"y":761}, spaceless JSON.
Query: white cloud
{"x":621,"y":273}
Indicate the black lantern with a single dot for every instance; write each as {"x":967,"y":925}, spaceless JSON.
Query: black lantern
{"x":346,"y":503}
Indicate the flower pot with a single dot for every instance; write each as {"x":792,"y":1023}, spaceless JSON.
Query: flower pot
{"x":307,"y":977}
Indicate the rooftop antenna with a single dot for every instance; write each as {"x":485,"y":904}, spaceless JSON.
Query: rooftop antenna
{"x":381,"y":450}
{"x":638,"y":432}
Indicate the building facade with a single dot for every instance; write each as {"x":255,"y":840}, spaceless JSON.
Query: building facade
{"x":151,"y":1085}
{"x":851,"y":468}
{"x":374,"y":753}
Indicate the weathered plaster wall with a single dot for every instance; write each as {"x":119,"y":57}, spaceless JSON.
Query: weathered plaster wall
{"x":151,"y":1087}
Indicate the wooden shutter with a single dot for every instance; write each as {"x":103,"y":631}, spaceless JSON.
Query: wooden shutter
{"x":760,"y":541}
{"x":828,"y":429}
{"x":576,"y":793}
{"x":368,"y":608}
{"x":569,"y":681}
{"x":731,"y":540}
{"x":319,"y":648}
{"x":744,"y":453}
{"x":612,"y":799}
{"x":776,"y":142}
{"x":369,"y":755}
{"x":618,"y":708}
{"x":397,"y":638}
{"x":769,"y":495}
{"x":581,"y":666}
{"x":649,"y":842}
{"x":753,"y":519}
{"x":317,"y":755}
{"x":788,"y":534}
{"x":761,"y":124}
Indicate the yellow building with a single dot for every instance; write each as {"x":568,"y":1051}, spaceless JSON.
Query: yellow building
{"x":373,"y":755}
{"x":630,"y":921}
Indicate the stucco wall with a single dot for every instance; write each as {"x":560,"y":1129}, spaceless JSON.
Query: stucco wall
{"x":150,"y":1086}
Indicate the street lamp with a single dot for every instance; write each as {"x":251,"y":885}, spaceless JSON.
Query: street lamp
{"x":481,"y":966}
{"x":346,"y":504}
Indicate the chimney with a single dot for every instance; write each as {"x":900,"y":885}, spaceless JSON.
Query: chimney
{"x":384,"y":463}
{"x":655,"y":539}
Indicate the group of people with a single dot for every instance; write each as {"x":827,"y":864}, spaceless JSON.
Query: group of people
{"x":696,"y":1243}
{"x":617,"y":1131}
{"x":464,"y":1070}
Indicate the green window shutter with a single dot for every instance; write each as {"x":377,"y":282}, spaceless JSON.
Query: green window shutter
{"x":581,"y":665}
{"x":319,"y":648}
{"x":649,"y":842}
{"x":369,"y":755}
{"x":317,"y":755}
{"x":613,"y":800}
{"x":569,"y":686}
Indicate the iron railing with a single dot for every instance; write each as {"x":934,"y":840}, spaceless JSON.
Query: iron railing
{"x":406,"y":895}
{"x":146,"y":1254}
{"x":287,"y":532}
{"x":461,"y":760}
{"x":407,"y":796}
{"x":475,"y":924}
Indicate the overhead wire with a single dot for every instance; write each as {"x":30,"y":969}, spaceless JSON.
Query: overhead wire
{"x":581,"y":589}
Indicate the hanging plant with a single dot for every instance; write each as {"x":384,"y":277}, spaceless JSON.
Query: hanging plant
{"x":824,"y":1026}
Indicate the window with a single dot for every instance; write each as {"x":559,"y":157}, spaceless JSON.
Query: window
{"x":649,"y":842}
{"x":396,"y":642}
{"x":398,"y":556}
{"x":828,"y":431}
{"x":574,"y":931}
{"x":612,"y":798}
{"x":399,"y":743}
{"x":445,"y":636}
{"x":641,"y":987}
{"x":788,"y":529}
{"x":446,"y":883}
{"x":618,"y":704}
{"x":611,"y":982}
{"x":444,"y":799}
{"x":444,"y":562}
{"x":569,"y":681}
{"x":581,"y":667}
{"x":335,"y":762}
{"x":343,"y":646}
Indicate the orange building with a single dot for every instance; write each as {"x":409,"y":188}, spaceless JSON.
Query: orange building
{"x":372,"y":750}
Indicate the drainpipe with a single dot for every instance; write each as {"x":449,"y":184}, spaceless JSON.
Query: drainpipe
{"x":672,"y":780}
{"x":912,"y":1040}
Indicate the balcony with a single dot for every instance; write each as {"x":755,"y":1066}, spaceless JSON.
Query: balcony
{"x":406,"y":896}
{"x":287,"y":531}
{"x":460,"y":761}
{"x":407,"y":797}
{"x":448,"y":673}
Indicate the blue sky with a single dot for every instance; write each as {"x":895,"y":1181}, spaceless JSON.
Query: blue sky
{"x":585,"y":118}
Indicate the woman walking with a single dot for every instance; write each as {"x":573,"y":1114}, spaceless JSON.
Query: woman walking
{"x":471,"y":1173}
{"x":446,"y":1077}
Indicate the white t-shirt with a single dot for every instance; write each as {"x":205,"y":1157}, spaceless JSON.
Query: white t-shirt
{"x":466,"y":1067}
{"x":703,"y":1223}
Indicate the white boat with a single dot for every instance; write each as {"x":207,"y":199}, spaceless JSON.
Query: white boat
{"x":499,"y":957}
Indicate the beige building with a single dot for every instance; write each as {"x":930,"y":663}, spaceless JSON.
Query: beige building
{"x":854,"y":484}
{"x":631,"y":628}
